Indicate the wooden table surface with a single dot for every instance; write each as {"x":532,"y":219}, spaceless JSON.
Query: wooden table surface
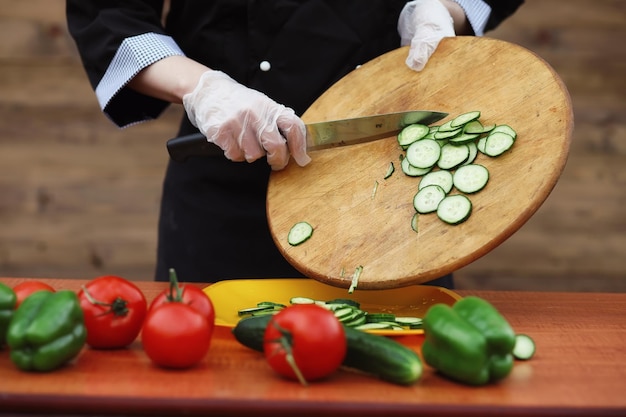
{"x":579,"y":369}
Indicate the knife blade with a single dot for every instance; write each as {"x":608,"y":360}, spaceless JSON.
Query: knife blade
{"x":321,"y":135}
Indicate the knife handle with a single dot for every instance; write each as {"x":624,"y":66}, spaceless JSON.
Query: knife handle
{"x":195,"y":144}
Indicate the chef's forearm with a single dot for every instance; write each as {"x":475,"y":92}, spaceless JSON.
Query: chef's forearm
{"x":169,"y":79}
{"x":461,"y":24}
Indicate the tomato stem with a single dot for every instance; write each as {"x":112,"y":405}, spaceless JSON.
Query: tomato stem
{"x":176,"y":291}
{"x":119,"y":306}
{"x":292,"y":363}
{"x":286,"y":342}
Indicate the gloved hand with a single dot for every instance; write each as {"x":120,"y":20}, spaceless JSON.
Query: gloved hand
{"x":422,"y":24}
{"x":245,"y":123}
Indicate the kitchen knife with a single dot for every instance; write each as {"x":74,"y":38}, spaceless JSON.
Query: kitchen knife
{"x":322,"y":135}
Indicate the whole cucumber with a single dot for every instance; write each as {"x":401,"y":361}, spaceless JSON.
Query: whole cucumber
{"x":381,"y":356}
{"x":249,"y":331}
{"x":372,"y":354}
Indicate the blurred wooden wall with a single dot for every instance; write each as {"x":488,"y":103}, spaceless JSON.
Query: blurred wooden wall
{"x":79,"y":197}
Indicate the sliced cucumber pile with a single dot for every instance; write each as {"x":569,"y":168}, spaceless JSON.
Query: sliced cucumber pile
{"x":444,"y":157}
{"x":346,"y":310}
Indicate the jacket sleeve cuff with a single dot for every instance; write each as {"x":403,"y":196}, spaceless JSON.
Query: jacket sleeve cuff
{"x":477,"y":13}
{"x":121,"y":104}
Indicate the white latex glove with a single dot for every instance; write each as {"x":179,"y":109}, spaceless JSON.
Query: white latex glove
{"x":422,"y":24}
{"x":245,"y":123}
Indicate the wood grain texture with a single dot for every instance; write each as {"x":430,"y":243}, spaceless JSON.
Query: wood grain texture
{"x":578,"y":370}
{"x":356,"y":225}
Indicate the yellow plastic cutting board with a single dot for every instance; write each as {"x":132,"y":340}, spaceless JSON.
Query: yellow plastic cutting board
{"x":361,"y":219}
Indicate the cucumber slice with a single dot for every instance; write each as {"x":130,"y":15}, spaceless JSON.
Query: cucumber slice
{"x":254,"y":310}
{"x":355,"y":279}
{"x":431,"y":132}
{"x":454,"y":209}
{"x":463,"y":138}
{"x":390,"y":170}
{"x":357,"y":321}
{"x":481,"y":144}
{"x":380,"y":317}
{"x":452,"y":156}
{"x":473,"y":127}
{"x":446,"y":134}
{"x":391,"y":325}
{"x":505,"y":129}
{"x":441,"y":177}
{"x":423,"y":153}
{"x":299,"y":233}
{"x":428,"y":198}
{"x":497,"y":143}
{"x":270,"y":304}
{"x":346,"y":313}
{"x":344,"y":301}
{"x":373,"y":326}
{"x":415,"y":222}
{"x":412,"y":171}
{"x":488,"y":128}
{"x":464,"y":118}
{"x":301,"y":300}
{"x":473,"y":153}
{"x":446,"y":127}
{"x":408,"y":320}
{"x":470,"y":178}
{"x":334,"y":307}
{"x":524,"y":347}
{"x":412,"y":133}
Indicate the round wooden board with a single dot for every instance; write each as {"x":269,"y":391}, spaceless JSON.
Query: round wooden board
{"x":357,"y":223}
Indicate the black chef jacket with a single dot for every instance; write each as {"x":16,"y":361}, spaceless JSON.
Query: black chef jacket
{"x":212,"y":223}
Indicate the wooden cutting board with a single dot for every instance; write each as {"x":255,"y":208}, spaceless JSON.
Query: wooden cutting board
{"x":357,"y":223}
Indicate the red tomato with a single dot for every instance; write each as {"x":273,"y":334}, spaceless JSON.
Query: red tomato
{"x":114,"y":310}
{"x":175,"y":335}
{"x":26,"y":288}
{"x":187,"y":294}
{"x":315,"y":337}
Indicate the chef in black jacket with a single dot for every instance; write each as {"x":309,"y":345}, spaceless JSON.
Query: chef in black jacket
{"x":244,"y":70}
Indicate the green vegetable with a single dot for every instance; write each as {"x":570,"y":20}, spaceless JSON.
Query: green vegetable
{"x":299,"y":233}
{"x":412,"y":133}
{"x":390,"y":170}
{"x":375,"y":355}
{"x":7,"y":306}
{"x":454,"y":208}
{"x":470,"y":342}
{"x":524,"y":347}
{"x":383,"y":357}
{"x":47,"y":330}
{"x":428,"y":198}
{"x":249,"y":331}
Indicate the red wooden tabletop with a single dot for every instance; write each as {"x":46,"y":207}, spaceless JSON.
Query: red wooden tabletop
{"x":579,"y":369}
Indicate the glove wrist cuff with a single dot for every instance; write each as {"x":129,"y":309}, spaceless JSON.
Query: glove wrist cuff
{"x":208,"y":83}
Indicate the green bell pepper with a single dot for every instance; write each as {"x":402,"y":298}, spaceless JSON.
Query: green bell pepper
{"x":47,"y":330}
{"x":470,"y":342}
{"x":8,"y":300}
